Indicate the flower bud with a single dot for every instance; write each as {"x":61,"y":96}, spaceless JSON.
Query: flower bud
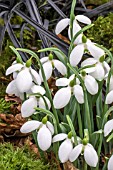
{"x":85,"y":141}
{"x":70,"y":135}
{"x":101,"y":59}
{"x":44,"y":120}
{"x":29,"y":62}
{"x":50,"y":56}
{"x":72,"y":83}
{"x":84,"y":39}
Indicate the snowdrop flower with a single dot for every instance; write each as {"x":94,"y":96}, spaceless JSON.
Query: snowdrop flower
{"x":63,"y":96}
{"x":90,"y":82}
{"x":78,"y":51}
{"x":110,"y":163}
{"x":62,"y":24}
{"x":24,"y":76}
{"x":109,"y":97}
{"x":49,"y":64}
{"x":29,"y":105}
{"x":66,"y":146}
{"x":108,"y":127}
{"x":101,"y":67}
{"x":12,"y":89}
{"x":90,"y":154}
{"x":45,"y":130}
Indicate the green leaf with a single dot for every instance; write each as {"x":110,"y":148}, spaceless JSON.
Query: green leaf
{"x":109,"y":138}
{"x":72,"y":129}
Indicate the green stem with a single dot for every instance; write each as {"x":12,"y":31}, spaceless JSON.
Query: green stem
{"x":79,"y":121}
{"x":84,"y":165}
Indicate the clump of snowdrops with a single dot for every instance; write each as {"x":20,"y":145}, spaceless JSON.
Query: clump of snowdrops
{"x":74,"y":122}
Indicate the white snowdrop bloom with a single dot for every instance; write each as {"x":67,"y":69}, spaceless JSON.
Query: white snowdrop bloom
{"x":63,"y":96}
{"x":110,"y":163}
{"x":90,"y":82}
{"x":29,"y":105}
{"x":12,"y":89}
{"x":109,"y":97}
{"x":62,"y":24}
{"x":45,"y":130}
{"x":90,"y":155}
{"x":49,"y":64}
{"x":101,"y":67}
{"x":78,"y":51}
{"x":66,"y":146}
{"x":108,"y":127}
{"x":24,"y":76}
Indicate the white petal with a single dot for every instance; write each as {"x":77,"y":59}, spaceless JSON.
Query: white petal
{"x":106,"y":67}
{"x":13,"y":68}
{"x":91,"y":84}
{"x":76,"y":55}
{"x":15,"y":75}
{"x":42,"y":103}
{"x":89,"y":61}
{"x":60,"y":67}
{"x":71,"y":77}
{"x":95,"y":51}
{"x":111,"y":83}
{"x":108,"y":127}
{"x":109,"y":97}
{"x":38,"y":89}
{"x":83,"y":19}
{"x":62,"y":98}
{"x":78,"y":92}
{"x":62,"y":82}
{"x":27,"y":108}
{"x":50,"y":127}
{"x":59,"y":137}
{"x":76,"y":28}
{"x":35,"y":76}
{"x":47,"y":70}
{"x":24,"y":81}
{"x":110,"y":163}
{"x":44,"y":59}
{"x":75,"y":152}
{"x":64,"y":150}
{"x":44,"y":138}
{"x":30,"y":126}
{"x":90,"y":156}
{"x":99,"y":72}
{"x":12,"y":88}
{"x":62,"y":24}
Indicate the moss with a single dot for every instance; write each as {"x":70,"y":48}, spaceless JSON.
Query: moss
{"x":19,"y":159}
{"x":5,"y":106}
{"x":96,"y":2}
{"x":102,"y":31}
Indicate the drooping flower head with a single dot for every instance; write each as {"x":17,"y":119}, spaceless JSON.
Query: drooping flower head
{"x":90,"y":155}
{"x":49,"y":64}
{"x":45,"y":130}
{"x":62,"y":24}
{"x":24,"y":76}
{"x":78,"y":51}
{"x":29,"y":105}
{"x":62,"y":96}
{"x":66,"y":146}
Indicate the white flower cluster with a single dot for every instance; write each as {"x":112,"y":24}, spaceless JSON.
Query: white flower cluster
{"x":27,"y":82}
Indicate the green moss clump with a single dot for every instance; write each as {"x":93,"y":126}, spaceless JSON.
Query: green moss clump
{"x":102,"y":31}
{"x":97,"y":2}
{"x":19,"y":159}
{"x":5,"y":106}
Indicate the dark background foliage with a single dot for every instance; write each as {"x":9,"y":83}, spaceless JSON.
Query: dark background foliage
{"x":42,"y":16}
